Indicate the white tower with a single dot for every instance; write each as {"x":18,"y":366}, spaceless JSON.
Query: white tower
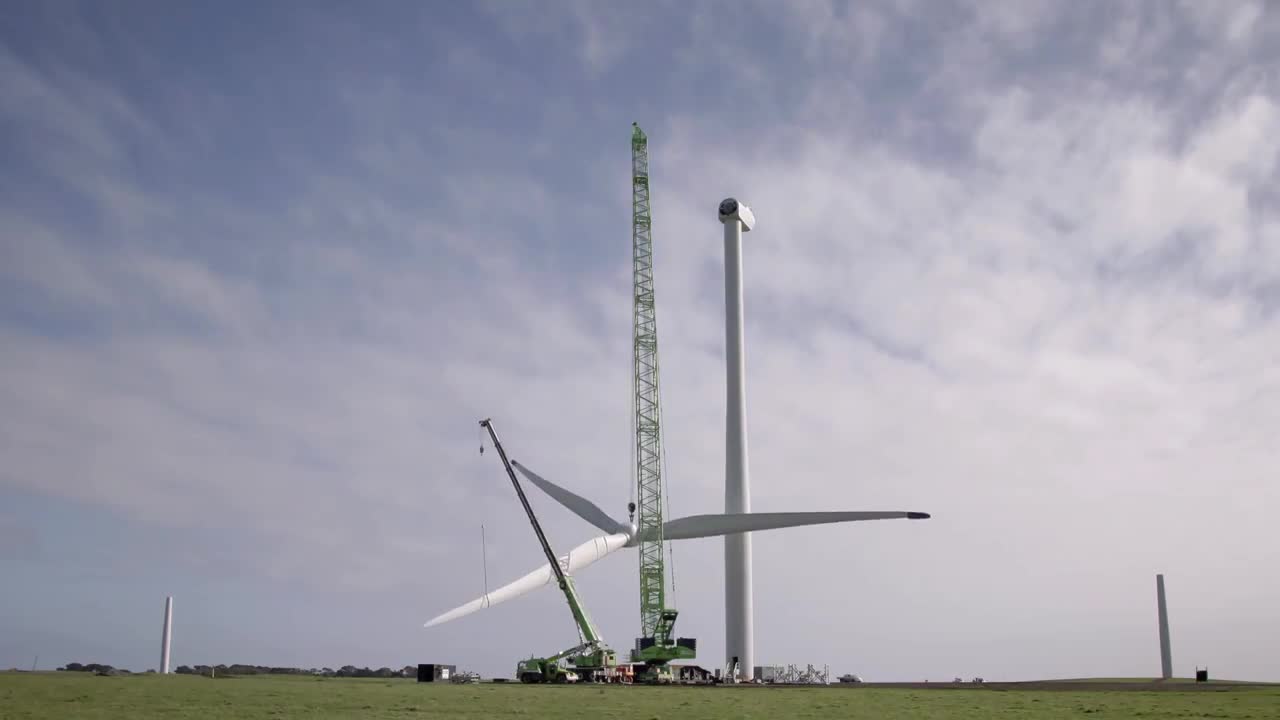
{"x":1166,"y":657}
{"x":738,"y":639}
{"x":168,"y":631}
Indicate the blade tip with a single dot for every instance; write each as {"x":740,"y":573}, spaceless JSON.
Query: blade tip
{"x":918,"y":516}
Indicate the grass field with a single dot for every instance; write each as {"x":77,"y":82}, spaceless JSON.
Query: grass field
{"x":77,"y":695}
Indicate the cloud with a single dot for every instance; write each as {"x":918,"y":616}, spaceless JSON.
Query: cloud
{"x":599,"y":38}
{"x":1034,"y":298}
{"x":18,"y":539}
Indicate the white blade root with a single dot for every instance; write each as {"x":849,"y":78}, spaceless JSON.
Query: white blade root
{"x":580,"y":506}
{"x":577,"y":558}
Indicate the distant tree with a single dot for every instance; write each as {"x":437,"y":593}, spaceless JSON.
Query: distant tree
{"x":89,"y":667}
{"x":235,"y":669}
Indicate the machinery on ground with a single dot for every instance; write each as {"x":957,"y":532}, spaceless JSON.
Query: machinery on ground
{"x":465,"y":678}
{"x":590,"y":660}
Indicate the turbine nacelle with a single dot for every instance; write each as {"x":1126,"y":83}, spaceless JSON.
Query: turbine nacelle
{"x":731,"y":209}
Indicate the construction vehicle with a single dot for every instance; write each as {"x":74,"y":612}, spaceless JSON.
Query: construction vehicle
{"x":591,"y":660}
{"x":546,"y":670}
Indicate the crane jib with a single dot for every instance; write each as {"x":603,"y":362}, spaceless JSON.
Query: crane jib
{"x":537,"y":528}
{"x":580,"y":617}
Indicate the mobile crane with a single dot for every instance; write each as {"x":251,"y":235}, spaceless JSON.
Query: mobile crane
{"x":657,"y":645}
{"x":591,"y":660}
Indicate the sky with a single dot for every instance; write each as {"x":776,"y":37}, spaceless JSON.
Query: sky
{"x":264,"y":266}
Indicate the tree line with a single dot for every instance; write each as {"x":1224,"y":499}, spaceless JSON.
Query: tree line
{"x":93,"y":668}
{"x":408,"y":671}
{"x":344,"y":671}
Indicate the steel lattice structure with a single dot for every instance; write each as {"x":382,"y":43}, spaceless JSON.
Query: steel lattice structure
{"x":647,"y":398}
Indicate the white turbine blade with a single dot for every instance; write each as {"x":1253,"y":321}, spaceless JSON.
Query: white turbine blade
{"x":697,"y":526}
{"x":580,"y":506}
{"x":577,"y":558}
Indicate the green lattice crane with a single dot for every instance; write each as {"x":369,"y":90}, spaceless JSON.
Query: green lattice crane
{"x":657,"y":644}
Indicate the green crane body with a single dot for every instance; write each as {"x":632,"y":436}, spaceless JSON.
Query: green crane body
{"x":591,"y":656}
{"x":657,"y":644}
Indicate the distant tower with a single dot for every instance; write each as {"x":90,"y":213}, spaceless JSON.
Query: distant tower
{"x":1166,"y":658}
{"x":168,"y":631}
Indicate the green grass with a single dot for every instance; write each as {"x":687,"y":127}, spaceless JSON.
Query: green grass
{"x":1216,"y":681}
{"x":76,"y":695}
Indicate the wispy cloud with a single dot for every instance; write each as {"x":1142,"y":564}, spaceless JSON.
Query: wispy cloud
{"x":1015,"y":266}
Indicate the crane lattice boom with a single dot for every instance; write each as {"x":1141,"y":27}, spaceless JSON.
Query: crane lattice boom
{"x":645,"y":382}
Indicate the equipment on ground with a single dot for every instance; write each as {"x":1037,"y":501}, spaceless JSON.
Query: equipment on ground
{"x":591,"y":658}
{"x":792,"y":675}
{"x":732,"y":674}
{"x":465,"y":678}
{"x":435,"y":672}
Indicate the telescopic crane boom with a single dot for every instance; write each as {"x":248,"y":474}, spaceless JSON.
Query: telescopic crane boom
{"x":591,"y":655}
{"x":590,"y":635}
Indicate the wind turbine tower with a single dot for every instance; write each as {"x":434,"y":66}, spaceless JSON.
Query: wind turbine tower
{"x":1166,"y":656}
{"x":738,"y":626}
{"x":168,"y":633}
